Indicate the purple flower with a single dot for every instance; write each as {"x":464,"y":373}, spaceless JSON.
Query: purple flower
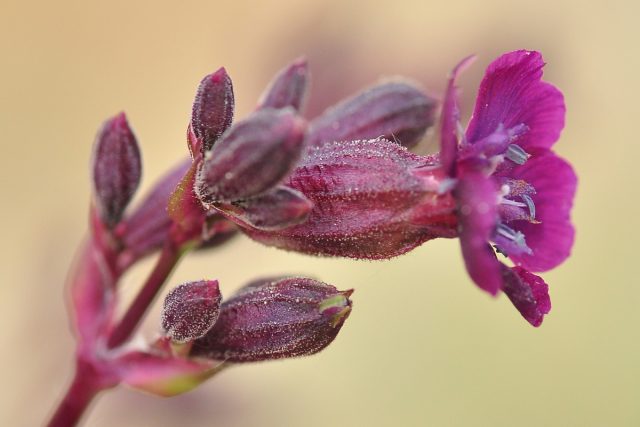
{"x":512,"y":190}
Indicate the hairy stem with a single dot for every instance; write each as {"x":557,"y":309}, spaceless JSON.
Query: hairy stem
{"x":84,"y":387}
{"x":169,"y":257}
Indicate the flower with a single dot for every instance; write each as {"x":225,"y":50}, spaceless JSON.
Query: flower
{"x":511,"y":189}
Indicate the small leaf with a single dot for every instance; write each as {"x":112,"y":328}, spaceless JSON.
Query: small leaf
{"x":161,"y":374}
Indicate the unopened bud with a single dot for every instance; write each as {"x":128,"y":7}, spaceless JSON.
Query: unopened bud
{"x":278,"y":209}
{"x":288,"y":88}
{"x":252,"y":157}
{"x":116,"y":169}
{"x":190,"y":310}
{"x":371,"y":199}
{"x":273,"y":319}
{"x":212,"y":111}
{"x":396,"y":111}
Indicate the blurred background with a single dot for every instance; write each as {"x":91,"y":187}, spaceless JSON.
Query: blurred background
{"x":423,"y":346}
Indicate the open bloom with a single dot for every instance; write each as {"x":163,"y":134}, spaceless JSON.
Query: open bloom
{"x":512,"y":190}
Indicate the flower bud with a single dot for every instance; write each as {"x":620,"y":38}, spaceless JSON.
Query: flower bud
{"x":281,"y":208}
{"x":252,"y":157}
{"x":371,"y":199}
{"x":273,"y":319}
{"x":288,"y":88}
{"x":396,"y":111}
{"x":191,"y":309}
{"x":116,"y":169}
{"x":212,"y":111}
{"x":147,"y":227}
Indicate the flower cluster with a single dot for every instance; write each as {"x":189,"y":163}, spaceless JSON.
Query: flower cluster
{"x":341,"y":184}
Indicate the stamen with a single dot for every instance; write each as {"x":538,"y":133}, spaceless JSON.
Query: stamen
{"x":510,"y":202}
{"x":530,"y":205}
{"x":513,"y":236}
{"x":516,"y":154}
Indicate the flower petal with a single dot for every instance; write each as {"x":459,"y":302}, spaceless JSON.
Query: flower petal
{"x":528,"y":293}
{"x":451,"y":119}
{"x":552,"y":238}
{"x":511,"y":94}
{"x":478,"y":214}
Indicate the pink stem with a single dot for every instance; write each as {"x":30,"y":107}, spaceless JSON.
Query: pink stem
{"x":168,"y":259}
{"x":84,"y":387}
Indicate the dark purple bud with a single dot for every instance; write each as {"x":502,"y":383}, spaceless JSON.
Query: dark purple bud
{"x":116,"y":169}
{"x":191,"y":309}
{"x":396,"y":111}
{"x":273,"y":319}
{"x":212,"y":111}
{"x":288,"y":88}
{"x":252,"y":157}
{"x":371,"y":199}
{"x":278,"y":209}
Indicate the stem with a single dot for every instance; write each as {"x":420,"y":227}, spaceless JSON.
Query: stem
{"x":168,"y":259}
{"x":81,"y":392}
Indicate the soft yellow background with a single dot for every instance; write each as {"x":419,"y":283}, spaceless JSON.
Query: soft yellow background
{"x":423,"y":347}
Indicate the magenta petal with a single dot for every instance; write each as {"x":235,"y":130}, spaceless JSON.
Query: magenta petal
{"x":288,"y":88}
{"x":478,"y":214}
{"x":397,"y":111}
{"x":528,"y":293}
{"x":162,"y":374}
{"x":552,"y":239}
{"x":511,"y":94}
{"x":451,"y":119}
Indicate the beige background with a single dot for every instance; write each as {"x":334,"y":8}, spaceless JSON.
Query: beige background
{"x":423,"y":345}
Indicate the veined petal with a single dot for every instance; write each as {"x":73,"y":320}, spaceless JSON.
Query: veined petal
{"x":478,"y":215}
{"x":528,"y":293}
{"x":511,"y":94}
{"x":552,"y":238}
{"x":451,"y":119}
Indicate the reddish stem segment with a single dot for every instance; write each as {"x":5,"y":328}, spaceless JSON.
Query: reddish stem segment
{"x":81,"y":392}
{"x":168,"y":259}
